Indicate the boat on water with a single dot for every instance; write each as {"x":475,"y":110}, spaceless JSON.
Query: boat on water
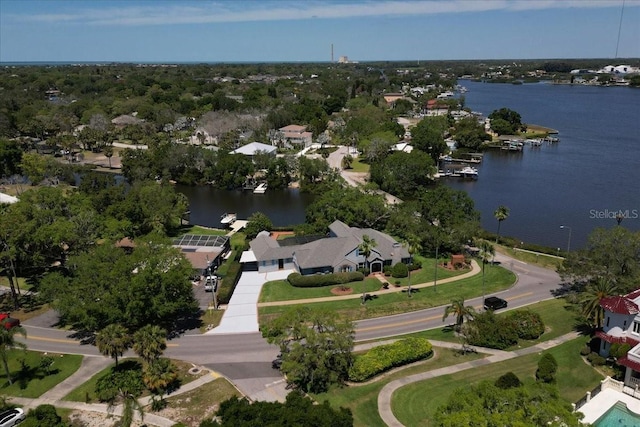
{"x":469,"y":172}
{"x":261,"y":188}
{"x":536,"y":142}
{"x":228,"y":218}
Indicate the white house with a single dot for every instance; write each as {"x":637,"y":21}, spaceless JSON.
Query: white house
{"x":622,"y":326}
{"x":254,"y":148}
{"x":294,"y":135}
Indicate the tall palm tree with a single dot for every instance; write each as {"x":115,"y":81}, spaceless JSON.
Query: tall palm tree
{"x":113,"y":341}
{"x":149,"y":342}
{"x":500,"y":214}
{"x":365,"y":248}
{"x":589,"y":299}
{"x":159,"y":375}
{"x":7,"y":342}
{"x":130,"y":405}
{"x":458,"y":309}
{"x":413,"y":246}
{"x":487,"y":251}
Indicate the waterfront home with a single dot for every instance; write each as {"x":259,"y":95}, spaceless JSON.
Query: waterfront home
{"x":204,"y":252}
{"x":337,"y":252}
{"x":622,"y":326}
{"x":256,"y":148}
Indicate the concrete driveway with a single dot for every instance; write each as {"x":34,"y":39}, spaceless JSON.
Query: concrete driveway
{"x":241,"y":315}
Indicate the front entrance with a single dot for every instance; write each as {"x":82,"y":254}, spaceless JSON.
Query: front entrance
{"x":375,"y":266}
{"x":280,"y":264}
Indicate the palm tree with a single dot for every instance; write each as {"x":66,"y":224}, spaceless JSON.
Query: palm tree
{"x":589,"y":299}
{"x":108,"y":152}
{"x":159,"y":375}
{"x":7,"y":342}
{"x":458,"y":309}
{"x":500,"y":214}
{"x":413,"y":246}
{"x":365,"y":248}
{"x":486,"y":251}
{"x":149,"y":342}
{"x":130,"y":405}
{"x":113,"y":341}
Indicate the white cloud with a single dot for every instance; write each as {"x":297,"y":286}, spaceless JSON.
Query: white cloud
{"x":173,"y":13}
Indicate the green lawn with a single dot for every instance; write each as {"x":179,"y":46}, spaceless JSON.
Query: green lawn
{"x":363,"y":399}
{"x":33,"y":381}
{"x":415,"y":403}
{"x":542,"y":260}
{"x":496,"y":278}
{"x":358,"y":166}
{"x":281,"y":290}
{"x":204,"y":231}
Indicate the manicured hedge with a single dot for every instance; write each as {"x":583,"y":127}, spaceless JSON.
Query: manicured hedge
{"x":382,"y":358}
{"x":399,"y":270}
{"x":319,"y":280}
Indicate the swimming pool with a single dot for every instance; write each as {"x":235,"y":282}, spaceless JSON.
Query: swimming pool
{"x":619,"y":416}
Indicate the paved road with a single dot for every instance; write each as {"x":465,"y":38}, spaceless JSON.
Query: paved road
{"x":246,"y":358}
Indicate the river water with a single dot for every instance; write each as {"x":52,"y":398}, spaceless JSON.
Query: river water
{"x":581,"y":182}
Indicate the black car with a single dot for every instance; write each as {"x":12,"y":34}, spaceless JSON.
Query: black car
{"x":277,"y":362}
{"x":494,"y":303}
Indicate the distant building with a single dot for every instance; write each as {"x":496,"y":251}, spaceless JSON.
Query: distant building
{"x":126,"y":120}
{"x":292,"y":136}
{"x":255,"y":148}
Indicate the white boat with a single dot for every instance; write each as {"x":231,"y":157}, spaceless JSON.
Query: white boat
{"x":261,"y":188}
{"x":469,"y":172}
{"x":228,"y":218}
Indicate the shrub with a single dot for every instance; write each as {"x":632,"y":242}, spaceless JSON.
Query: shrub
{"x":414,"y":266}
{"x":595,"y":359}
{"x":382,"y":358}
{"x":364,"y":271}
{"x":386,"y":270}
{"x":508,"y":380}
{"x":528,"y":325}
{"x":319,"y":280}
{"x":547,"y":367}
{"x":489,"y":330}
{"x":619,"y":350}
{"x":584,"y":351}
{"x":399,"y":270}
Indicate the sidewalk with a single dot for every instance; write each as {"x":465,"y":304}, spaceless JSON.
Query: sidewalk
{"x":384,"y":397}
{"x":475,"y":269}
{"x":91,"y":366}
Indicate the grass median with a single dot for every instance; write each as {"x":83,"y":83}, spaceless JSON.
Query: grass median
{"x":496,"y":279}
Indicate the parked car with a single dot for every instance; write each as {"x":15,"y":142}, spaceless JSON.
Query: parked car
{"x":494,"y":303}
{"x":277,"y":362}
{"x":11,"y":417}
{"x":211,"y":284}
{"x":8,"y":321}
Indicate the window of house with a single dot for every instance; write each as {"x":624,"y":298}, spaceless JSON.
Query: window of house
{"x":636,"y":328}
{"x":624,"y":325}
{"x":608,"y":318}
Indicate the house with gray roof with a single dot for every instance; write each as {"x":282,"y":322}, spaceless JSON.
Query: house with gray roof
{"x":337,"y":252}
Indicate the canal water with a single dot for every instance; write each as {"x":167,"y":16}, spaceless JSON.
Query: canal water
{"x":208,"y":204}
{"x":581,"y":182}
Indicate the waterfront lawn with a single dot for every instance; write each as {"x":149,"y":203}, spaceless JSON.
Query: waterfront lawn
{"x":281,"y":290}
{"x":426,"y":273}
{"x":30,"y":380}
{"x":363,"y":399}
{"x":541,"y":260}
{"x":496,"y":279}
{"x":416,"y":403}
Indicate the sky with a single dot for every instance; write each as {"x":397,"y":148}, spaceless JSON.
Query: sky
{"x":173,"y":31}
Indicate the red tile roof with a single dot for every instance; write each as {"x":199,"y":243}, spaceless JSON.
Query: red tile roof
{"x":619,"y":305}
{"x":617,"y":340}
{"x":633,"y":295}
{"x":625,"y":361}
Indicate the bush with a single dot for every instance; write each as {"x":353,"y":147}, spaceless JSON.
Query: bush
{"x":386,"y":270}
{"x":547,"y":367}
{"x":619,"y":350}
{"x":528,"y":325}
{"x":399,"y":270}
{"x":584,"y":351}
{"x":414,"y":266}
{"x":382,"y":358}
{"x":596,"y":360}
{"x":508,"y":380}
{"x":320,"y":280}
{"x":489,"y":330}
